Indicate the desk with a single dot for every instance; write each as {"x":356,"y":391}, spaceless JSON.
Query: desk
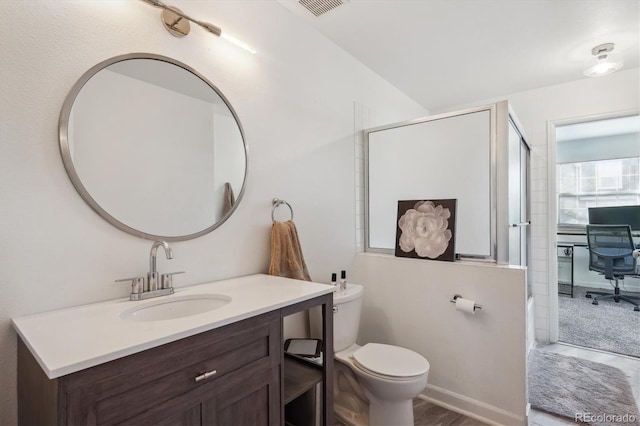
{"x":568,"y":259}
{"x":565,"y":268}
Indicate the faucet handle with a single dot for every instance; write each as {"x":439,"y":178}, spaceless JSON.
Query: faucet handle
{"x":166,"y":280}
{"x":137,"y":284}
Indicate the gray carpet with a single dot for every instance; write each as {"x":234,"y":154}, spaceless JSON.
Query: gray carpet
{"x":568,"y":386}
{"x":608,"y":326}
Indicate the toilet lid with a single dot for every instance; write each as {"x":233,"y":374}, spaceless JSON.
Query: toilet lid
{"x":391,"y":360}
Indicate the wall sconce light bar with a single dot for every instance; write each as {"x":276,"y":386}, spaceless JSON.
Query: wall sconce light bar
{"x":177,"y":23}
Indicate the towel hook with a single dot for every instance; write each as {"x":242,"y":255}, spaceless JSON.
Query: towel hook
{"x":276,"y":202}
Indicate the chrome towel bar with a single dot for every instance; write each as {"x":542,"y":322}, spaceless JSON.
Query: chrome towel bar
{"x":276,"y":202}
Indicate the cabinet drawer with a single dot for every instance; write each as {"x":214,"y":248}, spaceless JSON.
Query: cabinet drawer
{"x":247,"y":397}
{"x":112,"y":392}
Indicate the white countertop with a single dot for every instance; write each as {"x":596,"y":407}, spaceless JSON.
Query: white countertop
{"x":72,"y":339}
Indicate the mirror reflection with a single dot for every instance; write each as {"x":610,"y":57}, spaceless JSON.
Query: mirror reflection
{"x":153,"y":147}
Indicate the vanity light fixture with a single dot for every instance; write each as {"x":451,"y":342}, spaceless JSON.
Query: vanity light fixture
{"x":177,"y":23}
{"x":604,"y":62}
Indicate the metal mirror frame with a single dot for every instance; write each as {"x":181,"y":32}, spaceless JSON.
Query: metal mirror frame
{"x":63,"y":125}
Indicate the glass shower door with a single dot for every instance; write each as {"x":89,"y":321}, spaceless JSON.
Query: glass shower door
{"x":519,"y":157}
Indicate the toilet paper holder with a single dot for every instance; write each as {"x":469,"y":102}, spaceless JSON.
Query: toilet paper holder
{"x":456,"y":296}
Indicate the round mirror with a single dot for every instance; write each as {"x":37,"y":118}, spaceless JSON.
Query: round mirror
{"x":153,"y":147}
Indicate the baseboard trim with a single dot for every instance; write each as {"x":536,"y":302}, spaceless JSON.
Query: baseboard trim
{"x":471,"y":408}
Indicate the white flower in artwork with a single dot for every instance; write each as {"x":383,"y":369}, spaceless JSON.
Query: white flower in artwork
{"x":424,"y":228}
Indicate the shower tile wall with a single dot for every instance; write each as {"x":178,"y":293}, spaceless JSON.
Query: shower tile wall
{"x":361,"y":121}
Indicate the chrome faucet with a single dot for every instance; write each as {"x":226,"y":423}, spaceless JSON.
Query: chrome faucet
{"x":152,"y":276}
{"x":145,"y":289}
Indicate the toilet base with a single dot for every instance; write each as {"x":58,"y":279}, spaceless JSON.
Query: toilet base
{"x":350,"y":403}
{"x":384,"y":413}
{"x":350,"y":418}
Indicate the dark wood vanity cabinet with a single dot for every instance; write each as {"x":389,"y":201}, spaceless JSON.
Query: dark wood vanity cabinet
{"x":158,"y":386}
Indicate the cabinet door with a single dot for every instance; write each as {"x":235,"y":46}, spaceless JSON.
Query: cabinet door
{"x":249,"y":398}
{"x":172,"y":414}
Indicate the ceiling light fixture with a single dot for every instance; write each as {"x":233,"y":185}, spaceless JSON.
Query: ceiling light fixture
{"x":177,"y":23}
{"x":604,"y":61}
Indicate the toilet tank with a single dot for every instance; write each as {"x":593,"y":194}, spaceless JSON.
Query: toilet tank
{"x":346,"y":317}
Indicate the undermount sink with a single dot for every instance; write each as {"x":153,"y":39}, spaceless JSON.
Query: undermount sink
{"x":176,"y":307}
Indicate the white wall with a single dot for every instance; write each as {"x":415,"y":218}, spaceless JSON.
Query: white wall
{"x":295,"y":99}
{"x":477,"y":362}
{"x":535,"y":109}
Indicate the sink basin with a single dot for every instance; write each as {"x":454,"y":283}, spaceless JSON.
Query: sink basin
{"x":176,"y":307}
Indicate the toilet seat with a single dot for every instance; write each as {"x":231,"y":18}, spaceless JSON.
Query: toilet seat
{"x":390,"y":362}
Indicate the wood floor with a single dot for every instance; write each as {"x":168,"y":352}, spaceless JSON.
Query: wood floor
{"x":426,"y":413}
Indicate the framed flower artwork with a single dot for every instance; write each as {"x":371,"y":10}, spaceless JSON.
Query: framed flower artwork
{"x":426,"y":229}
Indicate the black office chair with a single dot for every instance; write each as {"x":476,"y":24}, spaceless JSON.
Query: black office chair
{"x":611,"y":253}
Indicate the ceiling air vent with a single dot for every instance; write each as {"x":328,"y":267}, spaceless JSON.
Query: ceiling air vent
{"x":320,"y":7}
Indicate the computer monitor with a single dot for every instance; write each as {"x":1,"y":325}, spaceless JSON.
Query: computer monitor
{"x":619,"y":215}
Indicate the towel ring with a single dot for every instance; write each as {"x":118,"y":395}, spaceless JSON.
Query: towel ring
{"x":278,"y":202}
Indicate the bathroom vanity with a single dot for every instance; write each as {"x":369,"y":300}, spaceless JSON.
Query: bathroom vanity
{"x":102,"y":364}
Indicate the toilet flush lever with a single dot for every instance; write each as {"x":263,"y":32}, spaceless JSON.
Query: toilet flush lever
{"x":335,"y":309}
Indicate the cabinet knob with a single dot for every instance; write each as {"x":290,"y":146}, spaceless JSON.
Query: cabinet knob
{"x":205,"y":376}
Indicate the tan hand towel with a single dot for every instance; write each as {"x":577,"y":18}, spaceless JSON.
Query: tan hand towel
{"x":286,"y":254}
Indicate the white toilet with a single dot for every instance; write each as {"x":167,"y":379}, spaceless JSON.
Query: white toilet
{"x":374,"y":384}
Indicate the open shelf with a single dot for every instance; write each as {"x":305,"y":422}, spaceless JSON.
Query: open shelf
{"x":299,"y":377}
